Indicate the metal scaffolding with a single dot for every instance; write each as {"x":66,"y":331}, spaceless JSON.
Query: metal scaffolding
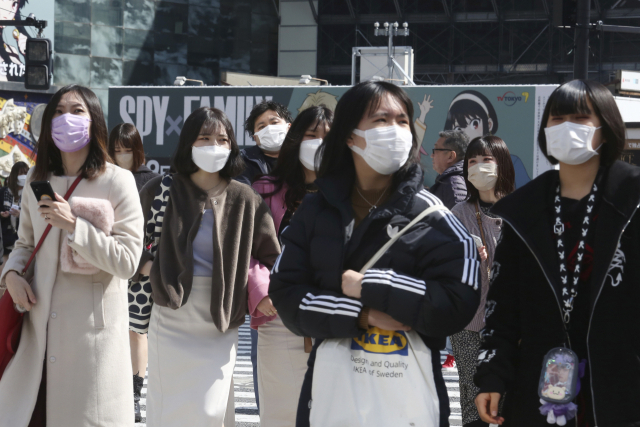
{"x":479,"y":41}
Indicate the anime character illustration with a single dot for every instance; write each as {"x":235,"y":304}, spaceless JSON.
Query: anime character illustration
{"x":471,"y":112}
{"x":557,"y":378}
{"x":11,"y":57}
{"x":421,"y":122}
{"x":319,"y":98}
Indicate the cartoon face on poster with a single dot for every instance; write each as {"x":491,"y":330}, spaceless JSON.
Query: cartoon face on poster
{"x":14,"y":39}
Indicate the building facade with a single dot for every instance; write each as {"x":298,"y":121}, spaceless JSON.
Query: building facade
{"x":102,"y":43}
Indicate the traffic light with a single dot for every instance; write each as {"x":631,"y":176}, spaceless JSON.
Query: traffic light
{"x":39,"y":67}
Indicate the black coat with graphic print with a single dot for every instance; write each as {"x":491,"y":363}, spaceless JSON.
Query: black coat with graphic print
{"x":427,"y":280}
{"x":523,"y":315}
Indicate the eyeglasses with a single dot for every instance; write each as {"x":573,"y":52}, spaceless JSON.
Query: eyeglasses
{"x":439,"y":149}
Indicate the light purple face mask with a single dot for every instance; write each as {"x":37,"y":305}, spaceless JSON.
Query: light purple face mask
{"x":70,"y":132}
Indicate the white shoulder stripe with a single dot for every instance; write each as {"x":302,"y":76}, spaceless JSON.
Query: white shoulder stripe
{"x":277,"y":264}
{"x":327,"y":311}
{"x":435,"y":200}
{"x":379,"y":277}
{"x":395,"y":284}
{"x":378,"y":271}
{"x":429,"y":199}
{"x":307,"y":303}
{"x":332,"y":298}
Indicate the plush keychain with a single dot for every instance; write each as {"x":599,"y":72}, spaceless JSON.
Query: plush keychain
{"x":560,"y":413}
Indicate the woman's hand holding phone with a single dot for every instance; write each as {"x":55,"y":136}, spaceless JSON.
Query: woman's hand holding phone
{"x":20,"y":290}
{"x":58,"y":213}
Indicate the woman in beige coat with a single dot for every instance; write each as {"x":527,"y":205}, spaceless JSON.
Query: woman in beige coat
{"x":76,"y":326}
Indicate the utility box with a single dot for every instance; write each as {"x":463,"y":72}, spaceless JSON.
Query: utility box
{"x":374,"y":63}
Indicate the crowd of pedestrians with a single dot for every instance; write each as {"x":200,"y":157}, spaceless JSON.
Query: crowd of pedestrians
{"x":354,"y":274}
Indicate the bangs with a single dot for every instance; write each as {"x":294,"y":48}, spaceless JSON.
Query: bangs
{"x":380,"y":92}
{"x":464,"y":110}
{"x":212,"y":124}
{"x":125,"y":141}
{"x":478,"y":147}
{"x":321,"y":121}
{"x":570,"y":98}
{"x":375,"y":101}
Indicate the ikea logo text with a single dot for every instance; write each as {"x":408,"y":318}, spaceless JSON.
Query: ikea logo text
{"x":377,"y":340}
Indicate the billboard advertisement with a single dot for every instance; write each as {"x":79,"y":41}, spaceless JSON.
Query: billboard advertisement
{"x":17,"y":138}
{"x":510,"y":112}
{"x":14,"y":38}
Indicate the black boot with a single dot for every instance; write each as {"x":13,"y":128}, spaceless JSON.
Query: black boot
{"x":137,"y":391}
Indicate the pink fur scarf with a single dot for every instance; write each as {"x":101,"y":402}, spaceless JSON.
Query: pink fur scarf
{"x":99,"y":213}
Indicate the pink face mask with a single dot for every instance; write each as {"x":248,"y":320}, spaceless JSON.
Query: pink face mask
{"x":70,"y":132}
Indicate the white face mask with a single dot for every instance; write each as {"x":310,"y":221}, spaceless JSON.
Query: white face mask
{"x":308,"y":151}
{"x":22,"y":180}
{"x":271,"y":137}
{"x":124,"y":160}
{"x":570,"y":143}
{"x":387,"y":148}
{"x":210,"y":158}
{"x":483,"y":176}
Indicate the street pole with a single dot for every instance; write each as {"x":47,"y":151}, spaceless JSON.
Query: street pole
{"x":390,"y":55}
{"x":581,"y":40}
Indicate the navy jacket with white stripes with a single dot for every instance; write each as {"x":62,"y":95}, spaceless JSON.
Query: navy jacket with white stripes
{"x":427,"y":280}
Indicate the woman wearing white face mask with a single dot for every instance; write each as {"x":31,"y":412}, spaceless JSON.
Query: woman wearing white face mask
{"x":370,"y":187}
{"x":215,"y":235}
{"x":11,"y":195}
{"x":125,"y":148}
{"x":565,"y":276}
{"x":282,"y":360}
{"x":267,"y":124}
{"x":489,"y":174}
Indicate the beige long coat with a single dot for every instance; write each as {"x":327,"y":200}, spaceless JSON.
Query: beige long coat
{"x":80,"y":322}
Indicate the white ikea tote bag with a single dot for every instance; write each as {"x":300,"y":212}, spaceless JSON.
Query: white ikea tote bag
{"x":381,"y":379}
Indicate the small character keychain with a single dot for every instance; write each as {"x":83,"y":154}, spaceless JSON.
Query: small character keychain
{"x":559,"y":385}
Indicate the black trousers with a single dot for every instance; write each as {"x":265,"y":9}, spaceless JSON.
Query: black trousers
{"x":39,"y":415}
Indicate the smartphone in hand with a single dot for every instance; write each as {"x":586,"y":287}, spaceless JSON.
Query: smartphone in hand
{"x":43,"y":191}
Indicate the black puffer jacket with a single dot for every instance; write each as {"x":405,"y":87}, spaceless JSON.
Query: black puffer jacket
{"x":256,"y":163}
{"x":437,"y":255}
{"x":523,"y":317}
{"x":450,"y":186}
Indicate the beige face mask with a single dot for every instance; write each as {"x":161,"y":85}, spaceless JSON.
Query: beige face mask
{"x":124,"y":160}
{"x":483,"y":176}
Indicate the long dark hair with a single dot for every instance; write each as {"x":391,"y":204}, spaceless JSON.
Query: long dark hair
{"x":491,"y":146}
{"x":127,"y":136}
{"x":363,"y":98}
{"x":19,"y":168}
{"x":207,"y":120}
{"x":49,"y":158}
{"x":289,"y":169}
{"x":571,"y":98}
